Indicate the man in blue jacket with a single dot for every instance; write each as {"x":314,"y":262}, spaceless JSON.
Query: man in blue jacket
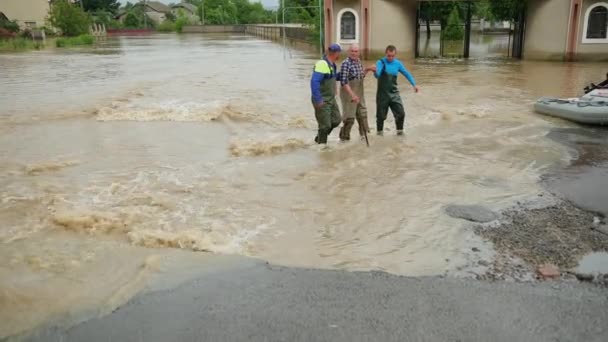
{"x":387,"y":95}
{"x":323,"y":88}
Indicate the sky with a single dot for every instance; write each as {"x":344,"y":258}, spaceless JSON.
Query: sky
{"x":266,"y":3}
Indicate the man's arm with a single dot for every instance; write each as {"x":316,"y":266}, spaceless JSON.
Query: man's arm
{"x":408,"y":75}
{"x":379,"y":70}
{"x":321,"y":69}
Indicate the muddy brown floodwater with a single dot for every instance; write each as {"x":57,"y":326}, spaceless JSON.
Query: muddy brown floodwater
{"x":141,"y":155}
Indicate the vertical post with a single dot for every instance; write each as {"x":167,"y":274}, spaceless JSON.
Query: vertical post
{"x":467,"y":32}
{"x":203,"y":12}
{"x":509,"y":43}
{"x":321,"y":27}
{"x":283,"y":26}
{"x":145,"y":15}
{"x":520,"y":32}
{"x":417,"y":47}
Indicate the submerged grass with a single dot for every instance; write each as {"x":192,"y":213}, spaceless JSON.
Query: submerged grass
{"x":85,"y":39}
{"x":19,"y":44}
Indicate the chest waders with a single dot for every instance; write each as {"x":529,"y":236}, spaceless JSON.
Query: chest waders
{"x":351,"y":110}
{"x":328,"y":116}
{"x":387,"y":97}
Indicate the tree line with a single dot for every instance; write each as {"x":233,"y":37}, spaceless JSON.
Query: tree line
{"x":450,"y":14}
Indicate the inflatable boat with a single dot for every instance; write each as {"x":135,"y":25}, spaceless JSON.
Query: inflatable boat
{"x":592,"y":108}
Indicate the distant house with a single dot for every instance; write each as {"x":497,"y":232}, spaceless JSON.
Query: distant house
{"x":186,"y":9}
{"x":28,"y":13}
{"x":156,"y":11}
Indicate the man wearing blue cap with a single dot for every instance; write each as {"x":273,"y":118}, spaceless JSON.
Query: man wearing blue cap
{"x":323,"y":89}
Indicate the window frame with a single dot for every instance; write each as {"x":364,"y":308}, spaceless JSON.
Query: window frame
{"x":586,"y":25}
{"x":339,"y":27}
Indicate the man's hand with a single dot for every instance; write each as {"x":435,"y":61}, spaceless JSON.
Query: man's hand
{"x":319,"y":105}
{"x":354,"y":98}
{"x":416,"y":89}
{"x":371,"y":68}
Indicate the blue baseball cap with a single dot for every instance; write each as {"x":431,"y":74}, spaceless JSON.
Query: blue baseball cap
{"x":334,"y":48}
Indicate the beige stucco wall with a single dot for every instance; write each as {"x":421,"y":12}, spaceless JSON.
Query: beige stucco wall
{"x":546,"y":29}
{"x":25,"y":11}
{"x":393,"y":22}
{"x":589,"y":51}
{"x":156,"y":16}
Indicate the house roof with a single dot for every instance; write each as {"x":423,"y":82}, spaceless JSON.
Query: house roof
{"x":3,"y":17}
{"x":189,"y":7}
{"x":157,"y":6}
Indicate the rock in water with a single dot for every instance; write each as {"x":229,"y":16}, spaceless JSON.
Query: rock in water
{"x":475,"y":213}
{"x":584,"y":276}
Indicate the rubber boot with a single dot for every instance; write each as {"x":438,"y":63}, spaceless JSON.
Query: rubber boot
{"x":322,"y":137}
{"x":346,"y":128}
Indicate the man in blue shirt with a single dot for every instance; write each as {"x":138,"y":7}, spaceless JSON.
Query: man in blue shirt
{"x":387,"y":95}
{"x":323,"y":88}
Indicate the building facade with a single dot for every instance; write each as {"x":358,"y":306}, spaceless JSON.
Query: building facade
{"x":554,"y":29}
{"x":567,"y":30}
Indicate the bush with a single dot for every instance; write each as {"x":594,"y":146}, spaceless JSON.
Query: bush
{"x":85,"y":39}
{"x":27,"y":33}
{"x":10,"y":26}
{"x":69,"y":18}
{"x":114,"y":24}
{"x":166,"y":26}
{"x":48,"y":31}
{"x":180,"y":23}
{"x":131,"y":20}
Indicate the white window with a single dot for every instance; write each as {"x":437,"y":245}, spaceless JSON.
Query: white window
{"x":348,"y":26}
{"x":596,"y":24}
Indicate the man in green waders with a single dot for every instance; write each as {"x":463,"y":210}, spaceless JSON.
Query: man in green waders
{"x":387,"y":95}
{"x":323,"y":88}
{"x":352,"y":75}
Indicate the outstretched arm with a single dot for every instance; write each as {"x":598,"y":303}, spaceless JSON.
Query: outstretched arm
{"x":409,"y":76}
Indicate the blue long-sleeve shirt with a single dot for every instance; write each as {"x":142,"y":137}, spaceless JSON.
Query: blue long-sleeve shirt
{"x":394,"y":68}
{"x":323,"y":70}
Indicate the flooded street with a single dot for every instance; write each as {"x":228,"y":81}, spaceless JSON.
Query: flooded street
{"x":138,"y":156}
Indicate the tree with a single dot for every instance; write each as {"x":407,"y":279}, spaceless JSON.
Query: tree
{"x":454,"y":30}
{"x":483,"y":10}
{"x":111,"y":6}
{"x":69,"y":18}
{"x":439,"y":10}
{"x":132,"y":21}
{"x":507,"y":10}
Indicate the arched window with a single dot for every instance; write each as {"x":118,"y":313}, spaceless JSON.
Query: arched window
{"x":596,"y":24}
{"x":348,"y":26}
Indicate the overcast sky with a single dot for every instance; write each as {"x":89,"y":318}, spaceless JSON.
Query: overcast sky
{"x":266,"y":3}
